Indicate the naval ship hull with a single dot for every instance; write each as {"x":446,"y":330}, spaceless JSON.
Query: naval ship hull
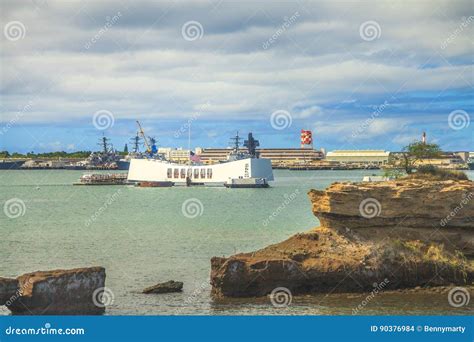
{"x":11,"y":165}
{"x":158,"y":171}
{"x":123,"y":164}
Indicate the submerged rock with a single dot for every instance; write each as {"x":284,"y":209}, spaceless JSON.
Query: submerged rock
{"x":359,"y":248}
{"x":166,"y":287}
{"x":60,"y":292}
{"x":8,"y":289}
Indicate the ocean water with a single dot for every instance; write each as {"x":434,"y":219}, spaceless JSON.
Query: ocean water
{"x":143,"y":236}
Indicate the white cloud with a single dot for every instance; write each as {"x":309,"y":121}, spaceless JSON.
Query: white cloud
{"x":141,"y":67}
{"x":366,"y":129}
{"x":310,"y":112}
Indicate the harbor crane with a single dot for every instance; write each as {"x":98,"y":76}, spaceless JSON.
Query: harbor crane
{"x":142,"y":133}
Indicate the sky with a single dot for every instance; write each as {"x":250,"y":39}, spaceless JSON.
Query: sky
{"x":360,"y":75}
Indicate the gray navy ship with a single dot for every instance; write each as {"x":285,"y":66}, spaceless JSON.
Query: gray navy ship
{"x":106,"y":159}
{"x":11,"y":164}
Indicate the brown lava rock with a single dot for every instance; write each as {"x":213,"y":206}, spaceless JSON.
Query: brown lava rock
{"x":166,"y":287}
{"x":421,"y":234}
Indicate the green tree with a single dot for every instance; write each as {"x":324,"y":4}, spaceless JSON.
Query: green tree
{"x":415,"y":152}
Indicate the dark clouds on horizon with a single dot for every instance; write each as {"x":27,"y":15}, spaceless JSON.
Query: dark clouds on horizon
{"x":130,"y":58}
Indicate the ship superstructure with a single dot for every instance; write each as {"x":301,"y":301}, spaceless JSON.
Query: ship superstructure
{"x":241,"y":169}
{"x":107,"y":158}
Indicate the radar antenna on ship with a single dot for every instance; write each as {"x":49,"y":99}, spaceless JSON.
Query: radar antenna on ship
{"x":252,"y":145}
{"x":104,"y":142}
{"x":136,"y":143}
{"x":236,"y":142}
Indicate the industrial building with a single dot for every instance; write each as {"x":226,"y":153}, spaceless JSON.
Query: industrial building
{"x":278,"y":156}
{"x":448,"y":160}
{"x":306,"y":157}
{"x":373,"y":157}
{"x":180,"y":156}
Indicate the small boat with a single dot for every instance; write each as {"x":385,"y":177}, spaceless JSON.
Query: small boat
{"x":155,"y":184}
{"x":103,"y":179}
{"x":247,"y":183}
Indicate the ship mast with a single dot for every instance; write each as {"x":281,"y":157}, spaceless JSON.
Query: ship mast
{"x":189,"y":144}
{"x":136,"y":143}
{"x":188,"y":171}
{"x":104,"y":142}
{"x":252,"y":145}
{"x":236,"y":142}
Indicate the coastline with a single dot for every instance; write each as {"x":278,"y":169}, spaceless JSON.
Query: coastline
{"x":185,"y":245}
{"x":385,"y":233}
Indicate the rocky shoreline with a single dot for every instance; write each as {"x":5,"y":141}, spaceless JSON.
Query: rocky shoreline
{"x":399,"y":234}
{"x":58,"y":292}
{"x":79,"y":291}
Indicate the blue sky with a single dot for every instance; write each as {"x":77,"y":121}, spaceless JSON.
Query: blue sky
{"x":366,"y":75}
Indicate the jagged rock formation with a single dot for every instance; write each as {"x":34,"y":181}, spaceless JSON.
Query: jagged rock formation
{"x":404,"y":233}
{"x":58,"y":292}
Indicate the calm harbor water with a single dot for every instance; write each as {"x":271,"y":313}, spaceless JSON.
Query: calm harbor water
{"x":148,"y":235}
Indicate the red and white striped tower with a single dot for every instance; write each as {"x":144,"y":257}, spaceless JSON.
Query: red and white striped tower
{"x":306,"y":138}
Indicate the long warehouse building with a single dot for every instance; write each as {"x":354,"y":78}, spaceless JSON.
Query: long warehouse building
{"x":278,"y":156}
{"x":378,"y":157}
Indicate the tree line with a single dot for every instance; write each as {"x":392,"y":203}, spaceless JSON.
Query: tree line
{"x":59,"y":154}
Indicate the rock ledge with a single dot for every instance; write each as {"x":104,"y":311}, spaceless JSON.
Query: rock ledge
{"x":58,"y":292}
{"x":403,"y":245}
